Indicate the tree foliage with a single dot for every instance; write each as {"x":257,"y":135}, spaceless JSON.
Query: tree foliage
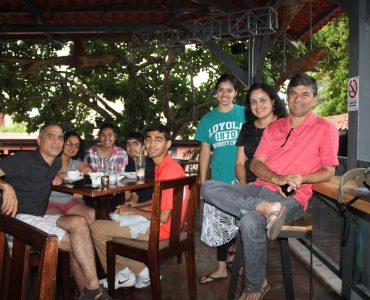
{"x":141,"y":86}
{"x":333,"y":75}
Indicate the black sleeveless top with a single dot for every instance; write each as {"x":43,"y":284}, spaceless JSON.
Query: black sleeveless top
{"x":249,"y":137}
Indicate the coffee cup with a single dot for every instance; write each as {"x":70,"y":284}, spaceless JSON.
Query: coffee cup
{"x":113,"y":178}
{"x":96,"y":178}
{"x":73,"y":174}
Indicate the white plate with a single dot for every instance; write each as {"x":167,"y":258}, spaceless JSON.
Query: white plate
{"x":130,"y":174}
{"x":120,"y":177}
{"x":72,"y":180}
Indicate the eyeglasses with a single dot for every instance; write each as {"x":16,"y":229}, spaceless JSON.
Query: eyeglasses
{"x":287,"y":138}
{"x":70,"y":144}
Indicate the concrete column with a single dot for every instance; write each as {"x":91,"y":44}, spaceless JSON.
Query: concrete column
{"x":359,"y":65}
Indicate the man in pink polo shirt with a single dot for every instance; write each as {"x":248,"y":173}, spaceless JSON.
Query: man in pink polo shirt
{"x":294,"y":153}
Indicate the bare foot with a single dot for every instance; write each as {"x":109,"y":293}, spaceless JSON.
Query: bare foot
{"x":257,"y":294}
{"x":212,"y":276}
{"x":269,"y":208}
{"x":248,"y":296}
{"x":220,"y":273}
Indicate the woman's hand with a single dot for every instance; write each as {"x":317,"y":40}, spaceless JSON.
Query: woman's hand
{"x":84,"y":168}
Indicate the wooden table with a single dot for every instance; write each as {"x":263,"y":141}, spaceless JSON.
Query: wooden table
{"x":330,"y":189}
{"x":102,"y":196}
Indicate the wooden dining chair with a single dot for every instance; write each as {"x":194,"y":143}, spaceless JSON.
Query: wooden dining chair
{"x":14,"y":266}
{"x":154,"y":251}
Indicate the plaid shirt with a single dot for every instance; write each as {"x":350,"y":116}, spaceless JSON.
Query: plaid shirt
{"x":118,"y":158}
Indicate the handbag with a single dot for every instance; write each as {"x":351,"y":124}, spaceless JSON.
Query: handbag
{"x":362,"y":177}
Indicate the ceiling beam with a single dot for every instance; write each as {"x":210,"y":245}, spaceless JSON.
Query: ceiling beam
{"x":105,"y":10}
{"x":218,"y":5}
{"x":76,"y":28}
{"x":34,"y":12}
{"x":234,"y":68}
{"x":322,"y":19}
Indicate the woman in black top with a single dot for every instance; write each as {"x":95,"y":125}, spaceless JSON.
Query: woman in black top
{"x":263,"y":107}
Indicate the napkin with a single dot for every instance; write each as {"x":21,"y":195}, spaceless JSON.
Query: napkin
{"x":137,"y":224}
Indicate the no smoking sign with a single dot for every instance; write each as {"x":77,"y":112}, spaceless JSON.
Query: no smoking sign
{"x":352,"y":93}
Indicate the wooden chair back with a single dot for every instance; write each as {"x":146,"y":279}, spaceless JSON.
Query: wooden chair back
{"x":178,"y":186}
{"x":154,"y":251}
{"x":14,"y":265}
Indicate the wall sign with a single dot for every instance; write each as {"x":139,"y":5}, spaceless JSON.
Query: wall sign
{"x":352,"y":93}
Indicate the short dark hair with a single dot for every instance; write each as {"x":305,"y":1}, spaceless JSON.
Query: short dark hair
{"x":108,"y":125}
{"x":303,"y":79}
{"x":135,"y":135}
{"x":278,"y":105}
{"x":81,"y":151}
{"x":47,"y":125}
{"x":159,"y":127}
{"x":226,"y":77}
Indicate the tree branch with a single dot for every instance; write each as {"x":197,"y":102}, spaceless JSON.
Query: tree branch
{"x":88,"y":103}
{"x":170,"y":62}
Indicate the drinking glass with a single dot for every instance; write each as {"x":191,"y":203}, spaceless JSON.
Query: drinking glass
{"x":103,"y":164}
{"x":112,"y":172}
{"x":140,"y":167}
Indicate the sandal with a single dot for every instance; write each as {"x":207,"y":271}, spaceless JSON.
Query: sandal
{"x":96,"y":294}
{"x":263,"y":291}
{"x":274,"y":227}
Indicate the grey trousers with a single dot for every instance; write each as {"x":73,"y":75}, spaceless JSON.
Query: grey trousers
{"x":241,"y":201}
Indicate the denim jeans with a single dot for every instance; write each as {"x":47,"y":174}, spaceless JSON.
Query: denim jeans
{"x":241,"y":201}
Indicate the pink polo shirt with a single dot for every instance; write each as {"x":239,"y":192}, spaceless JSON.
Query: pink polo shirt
{"x":311,"y":145}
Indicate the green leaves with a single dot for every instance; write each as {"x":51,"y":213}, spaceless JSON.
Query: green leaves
{"x":141,"y":86}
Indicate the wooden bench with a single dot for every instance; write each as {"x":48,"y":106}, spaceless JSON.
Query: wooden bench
{"x":300,"y":229}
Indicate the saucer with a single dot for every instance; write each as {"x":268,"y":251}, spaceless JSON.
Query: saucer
{"x":72,"y":180}
{"x":130,"y":174}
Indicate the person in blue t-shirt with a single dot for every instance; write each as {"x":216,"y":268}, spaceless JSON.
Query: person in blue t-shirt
{"x":218,"y":132}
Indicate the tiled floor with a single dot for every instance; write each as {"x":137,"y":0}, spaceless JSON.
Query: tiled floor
{"x":174,"y":281}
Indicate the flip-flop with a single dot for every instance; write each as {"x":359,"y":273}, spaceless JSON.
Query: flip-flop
{"x":274,"y":227}
{"x":211,"y":279}
{"x":263,"y":291}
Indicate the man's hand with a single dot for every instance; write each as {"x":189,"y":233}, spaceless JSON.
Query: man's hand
{"x":123,"y":209}
{"x":57,"y":180}
{"x":10,"y":201}
{"x":294,"y":180}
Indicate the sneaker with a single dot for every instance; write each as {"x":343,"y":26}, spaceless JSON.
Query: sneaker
{"x":121,"y":280}
{"x":143,"y":282}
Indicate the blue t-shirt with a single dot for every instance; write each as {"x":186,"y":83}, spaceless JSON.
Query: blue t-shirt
{"x":221,"y":130}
